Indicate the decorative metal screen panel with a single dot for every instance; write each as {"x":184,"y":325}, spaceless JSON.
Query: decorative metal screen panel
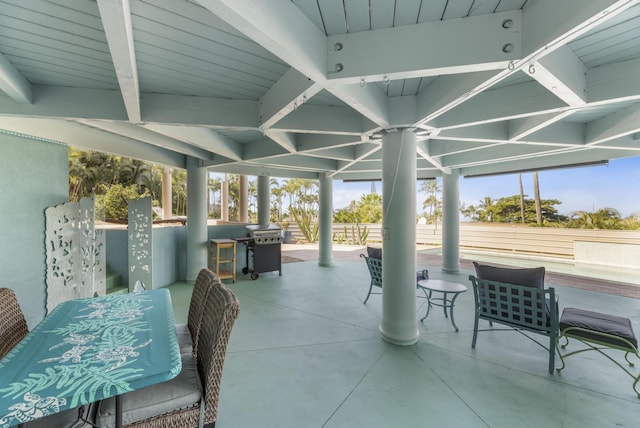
{"x":74,"y":256}
{"x":140,"y":229}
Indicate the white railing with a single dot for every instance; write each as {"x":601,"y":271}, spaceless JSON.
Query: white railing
{"x":556,"y":242}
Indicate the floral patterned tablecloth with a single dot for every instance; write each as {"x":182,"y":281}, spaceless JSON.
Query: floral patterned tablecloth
{"x":89,"y":349}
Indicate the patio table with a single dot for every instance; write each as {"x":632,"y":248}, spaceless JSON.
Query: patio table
{"x":90,"y":349}
{"x":444,"y":287}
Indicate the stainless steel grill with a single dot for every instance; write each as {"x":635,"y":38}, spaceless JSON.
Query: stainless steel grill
{"x":263,"y":249}
{"x":263,"y":235}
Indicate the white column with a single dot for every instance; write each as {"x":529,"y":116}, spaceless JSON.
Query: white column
{"x":243,"y":188}
{"x":264,"y":204}
{"x":167,"y":200}
{"x":325,"y":220}
{"x":450,"y":222}
{"x":224,"y":199}
{"x":197,"y":233}
{"x":399,"y":324}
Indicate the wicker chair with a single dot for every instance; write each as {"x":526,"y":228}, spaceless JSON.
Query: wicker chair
{"x":221,"y":309}
{"x":13,"y":326}
{"x":188,"y":333}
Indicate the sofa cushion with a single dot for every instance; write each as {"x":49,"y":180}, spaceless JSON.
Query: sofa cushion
{"x":597,"y":322}
{"x":182,"y":391}
{"x":529,"y":277}
{"x":374,"y":253}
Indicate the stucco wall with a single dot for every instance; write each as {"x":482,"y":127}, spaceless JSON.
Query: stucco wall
{"x":34,"y":176}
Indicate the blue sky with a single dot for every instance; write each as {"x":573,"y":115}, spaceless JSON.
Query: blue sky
{"x":616,"y":185}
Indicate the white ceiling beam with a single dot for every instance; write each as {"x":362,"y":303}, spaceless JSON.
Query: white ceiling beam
{"x":423,"y":151}
{"x":263,"y":149}
{"x":299,"y":161}
{"x":66,"y":102}
{"x":546,"y":26}
{"x":116,"y":20}
{"x":519,"y":129}
{"x":205,"y":138}
{"x":500,"y":104}
{"x":444,"y":93}
{"x":205,"y":111}
{"x":615,"y":125}
{"x":472,"y":44}
{"x":262,"y":170}
{"x":346,"y":153}
{"x":79,"y":135}
{"x":281,"y":28}
{"x":311,"y":118}
{"x":83,"y":103}
{"x":363,"y":151}
{"x":550,"y":24}
{"x":617,"y":81}
{"x":560,"y":133}
{"x":486,"y":132}
{"x":548,"y":160}
{"x":13,"y":83}
{"x":137,"y":133}
{"x":286,"y":140}
{"x":563,"y":74}
{"x":313,"y":142}
{"x":292,"y":90}
{"x":499,"y":153}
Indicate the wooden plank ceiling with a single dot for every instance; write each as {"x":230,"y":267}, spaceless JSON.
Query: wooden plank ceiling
{"x":304,"y":87}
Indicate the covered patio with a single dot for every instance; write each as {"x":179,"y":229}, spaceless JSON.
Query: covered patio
{"x":306,"y":352}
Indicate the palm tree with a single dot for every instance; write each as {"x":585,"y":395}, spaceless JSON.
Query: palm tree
{"x":214,"y":185}
{"x":432,"y":202}
{"x":536,"y":195}
{"x":485,"y":209}
{"x":521,"y":199}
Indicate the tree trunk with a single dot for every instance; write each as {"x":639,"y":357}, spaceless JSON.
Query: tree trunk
{"x":536,"y":193}
{"x":521,"y":199}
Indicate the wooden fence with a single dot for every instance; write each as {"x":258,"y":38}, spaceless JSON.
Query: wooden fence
{"x":556,"y":242}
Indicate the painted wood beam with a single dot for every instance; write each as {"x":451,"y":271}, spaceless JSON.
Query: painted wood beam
{"x":257,"y":170}
{"x":205,"y":111}
{"x":286,"y":140}
{"x":505,"y":103}
{"x":314,"y":142}
{"x":144,"y":135}
{"x":362,"y":152}
{"x":444,"y":93}
{"x":471,"y":44}
{"x":519,"y":129}
{"x":116,"y":20}
{"x":346,"y":153}
{"x":615,"y":125}
{"x":299,"y":162}
{"x":65,"y":102}
{"x":13,"y":83}
{"x":556,"y":160}
{"x":281,"y":28}
{"x":263,"y":149}
{"x":313,"y":118}
{"x":205,"y":138}
{"x":291,"y":91}
{"x":423,"y":151}
{"x":563,"y":74}
{"x":547,"y":25}
{"x":79,"y":135}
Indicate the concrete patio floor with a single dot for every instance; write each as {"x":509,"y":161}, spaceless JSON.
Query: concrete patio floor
{"x":306,"y":352}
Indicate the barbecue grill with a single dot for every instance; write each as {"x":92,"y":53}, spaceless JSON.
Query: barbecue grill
{"x":264,"y":244}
